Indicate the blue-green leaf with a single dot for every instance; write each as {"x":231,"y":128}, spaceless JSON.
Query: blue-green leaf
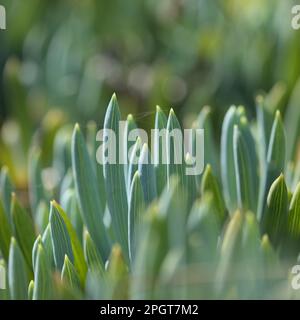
{"x":98,"y":167}
{"x":191,"y":188}
{"x":275,"y":164}
{"x":114,"y":179}
{"x":70,"y":205}
{"x":229,"y":250}
{"x":43,"y":282}
{"x":36,"y":187}
{"x":24,"y":229}
{"x":292,"y":122}
{"x":210,"y":184}
{"x":264,"y":128}
{"x":246,"y":183}
{"x":153,"y":239}
{"x":60,"y":237}
{"x":227,"y":157}
{"x":37,"y":242}
{"x":91,"y":208}
{"x":203,"y":230}
{"x":117,"y":274}
{"x":159,"y":148}
{"x":294,"y":216}
{"x":175,"y":149}
{"x":134,"y":162}
{"x":30,"y":290}
{"x":130,"y":125}
{"x":136,"y":208}
{"x":204,"y":121}
{"x":274,"y":221}
{"x":6,"y":189}
{"x":47,"y":243}
{"x":69,"y":274}
{"x":92,"y":256}
{"x":77,"y":250}
{"x":147,"y":175}
{"x":17,"y":273}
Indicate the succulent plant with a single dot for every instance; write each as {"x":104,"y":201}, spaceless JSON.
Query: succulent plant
{"x":143,"y":231}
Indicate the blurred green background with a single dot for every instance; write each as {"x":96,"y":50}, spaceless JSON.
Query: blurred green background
{"x":61,"y":60}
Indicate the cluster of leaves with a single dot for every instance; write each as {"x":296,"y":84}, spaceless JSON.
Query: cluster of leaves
{"x":149,"y":231}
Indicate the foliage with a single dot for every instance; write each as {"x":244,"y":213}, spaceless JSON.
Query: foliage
{"x":143,"y":231}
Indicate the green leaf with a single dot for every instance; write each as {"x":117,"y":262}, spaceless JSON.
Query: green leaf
{"x":153,"y":240}
{"x":37,"y":242}
{"x":264,"y":128}
{"x":43,"y":286}
{"x":92,"y":147}
{"x":6,"y":189}
{"x":92,"y":257}
{"x":227,"y":157}
{"x":17,"y":273}
{"x":130,"y":125}
{"x":60,"y":238}
{"x":167,"y":287}
{"x":209,"y":184}
{"x":246,"y":132}
{"x":47,"y":243}
{"x":37,"y":192}
{"x":91,"y":208}
{"x":275,"y":165}
{"x":269,"y":255}
{"x":114,"y":179}
{"x":136,"y":208}
{"x":191,"y":189}
{"x":276,"y":156}
{"x":79,"y":261}
{"x":296,"y":175}
{"x":160,"y":148}
{"x":70,"y":205}
{"x":69,"y":274}
{"x":245,"y":177}
{"x":274,"y":221}
{"x":292,"y":122}
{"x":23,"y":229}
{"x":229,"y":250}
{"x":250,"y":241}
{"x":203,"y":230}
{"x":147,"y":175}
{"x":272,"y":270}
{"x":249,"y":263}
{"x":294,"y":216}
{"x":30,"y":290}
{"x":204,"y":121}
{"x":96,"y":285}
{"x":134,"y":162}
{"x":173,"y":205}
{"x":175,"y":150}
{"x":5,"y":233}
{"x":117,"y":274}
